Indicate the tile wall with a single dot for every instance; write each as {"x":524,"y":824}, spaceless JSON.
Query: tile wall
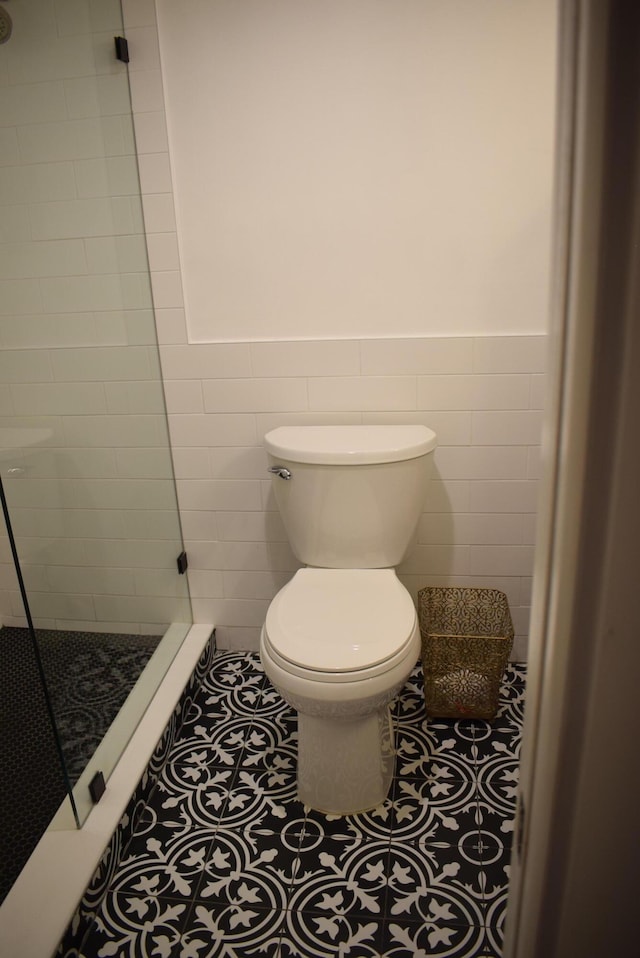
{"x":91,"y":496}
{"x":482,"y":395}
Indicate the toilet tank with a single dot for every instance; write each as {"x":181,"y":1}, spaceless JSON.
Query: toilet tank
{"x":355,"y":493}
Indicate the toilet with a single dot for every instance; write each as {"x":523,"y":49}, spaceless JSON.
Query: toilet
{"x":341,"y":637}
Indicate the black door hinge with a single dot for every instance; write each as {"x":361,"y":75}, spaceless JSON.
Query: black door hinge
{"x":182,"y":563}
{"x":520,"y":824}
{"x":122,"y":49}
{"x":97,"y":787}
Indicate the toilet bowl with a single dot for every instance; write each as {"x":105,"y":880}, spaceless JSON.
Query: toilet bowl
{"x":339,"y":644}
{"x":341,"y":638}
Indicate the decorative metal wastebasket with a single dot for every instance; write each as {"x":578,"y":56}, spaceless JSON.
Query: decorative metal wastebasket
{"x":467,"y":636}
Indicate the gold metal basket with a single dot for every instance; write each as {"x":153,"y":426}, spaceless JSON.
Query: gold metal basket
{"x":467,"y":636}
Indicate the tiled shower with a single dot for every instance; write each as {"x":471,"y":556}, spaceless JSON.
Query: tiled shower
{"x":90,"y":487}
{"x":92,"y":517}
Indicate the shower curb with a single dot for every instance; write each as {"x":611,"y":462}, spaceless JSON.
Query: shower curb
{"x":73,"y":939}
{"x":69,"y":870}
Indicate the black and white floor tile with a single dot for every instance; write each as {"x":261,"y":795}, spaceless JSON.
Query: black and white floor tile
{"x":227,"y":863}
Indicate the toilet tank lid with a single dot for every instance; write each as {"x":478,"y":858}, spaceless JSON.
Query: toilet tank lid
{"x":349,"y":445}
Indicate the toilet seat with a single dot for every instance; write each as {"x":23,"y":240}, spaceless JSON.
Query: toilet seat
{"x":340,"y":625}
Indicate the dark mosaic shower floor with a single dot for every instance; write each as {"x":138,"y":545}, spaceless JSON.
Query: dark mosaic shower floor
{"x":227,"y":863}
{"x":89,"y":675}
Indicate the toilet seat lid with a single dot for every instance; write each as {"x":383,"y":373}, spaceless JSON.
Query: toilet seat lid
{"x":340,"y":620}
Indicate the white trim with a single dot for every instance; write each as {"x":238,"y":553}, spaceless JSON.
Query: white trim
{"x":574,"y":892}
{"x":563,"y":460}
{"x":485,"y":333}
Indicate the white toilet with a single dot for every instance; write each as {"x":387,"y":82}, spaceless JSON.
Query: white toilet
{"x":341,"y":638}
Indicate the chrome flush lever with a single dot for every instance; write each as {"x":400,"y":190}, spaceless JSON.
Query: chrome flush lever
{"x":281,"y":471}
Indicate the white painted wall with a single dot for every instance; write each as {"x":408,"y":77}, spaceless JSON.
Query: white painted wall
{"x":360,"y":169}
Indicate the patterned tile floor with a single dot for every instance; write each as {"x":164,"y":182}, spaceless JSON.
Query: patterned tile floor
{"x":226,"y":862}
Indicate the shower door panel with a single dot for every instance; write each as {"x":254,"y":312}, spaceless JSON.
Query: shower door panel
{"x":84,"y":447}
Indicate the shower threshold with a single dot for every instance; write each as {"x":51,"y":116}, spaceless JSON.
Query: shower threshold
{"x":76,"y":853}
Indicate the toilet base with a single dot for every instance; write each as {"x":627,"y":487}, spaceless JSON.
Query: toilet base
{"x":345,"y":765}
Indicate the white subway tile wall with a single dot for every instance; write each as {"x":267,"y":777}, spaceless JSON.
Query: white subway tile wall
{"x":93,"y":501}
{"x":479,"y":520}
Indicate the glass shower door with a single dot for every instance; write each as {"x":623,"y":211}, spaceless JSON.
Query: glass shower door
{"x":84,"y":449}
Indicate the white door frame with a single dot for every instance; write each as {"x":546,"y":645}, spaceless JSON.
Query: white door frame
{"x":578,"y":866}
